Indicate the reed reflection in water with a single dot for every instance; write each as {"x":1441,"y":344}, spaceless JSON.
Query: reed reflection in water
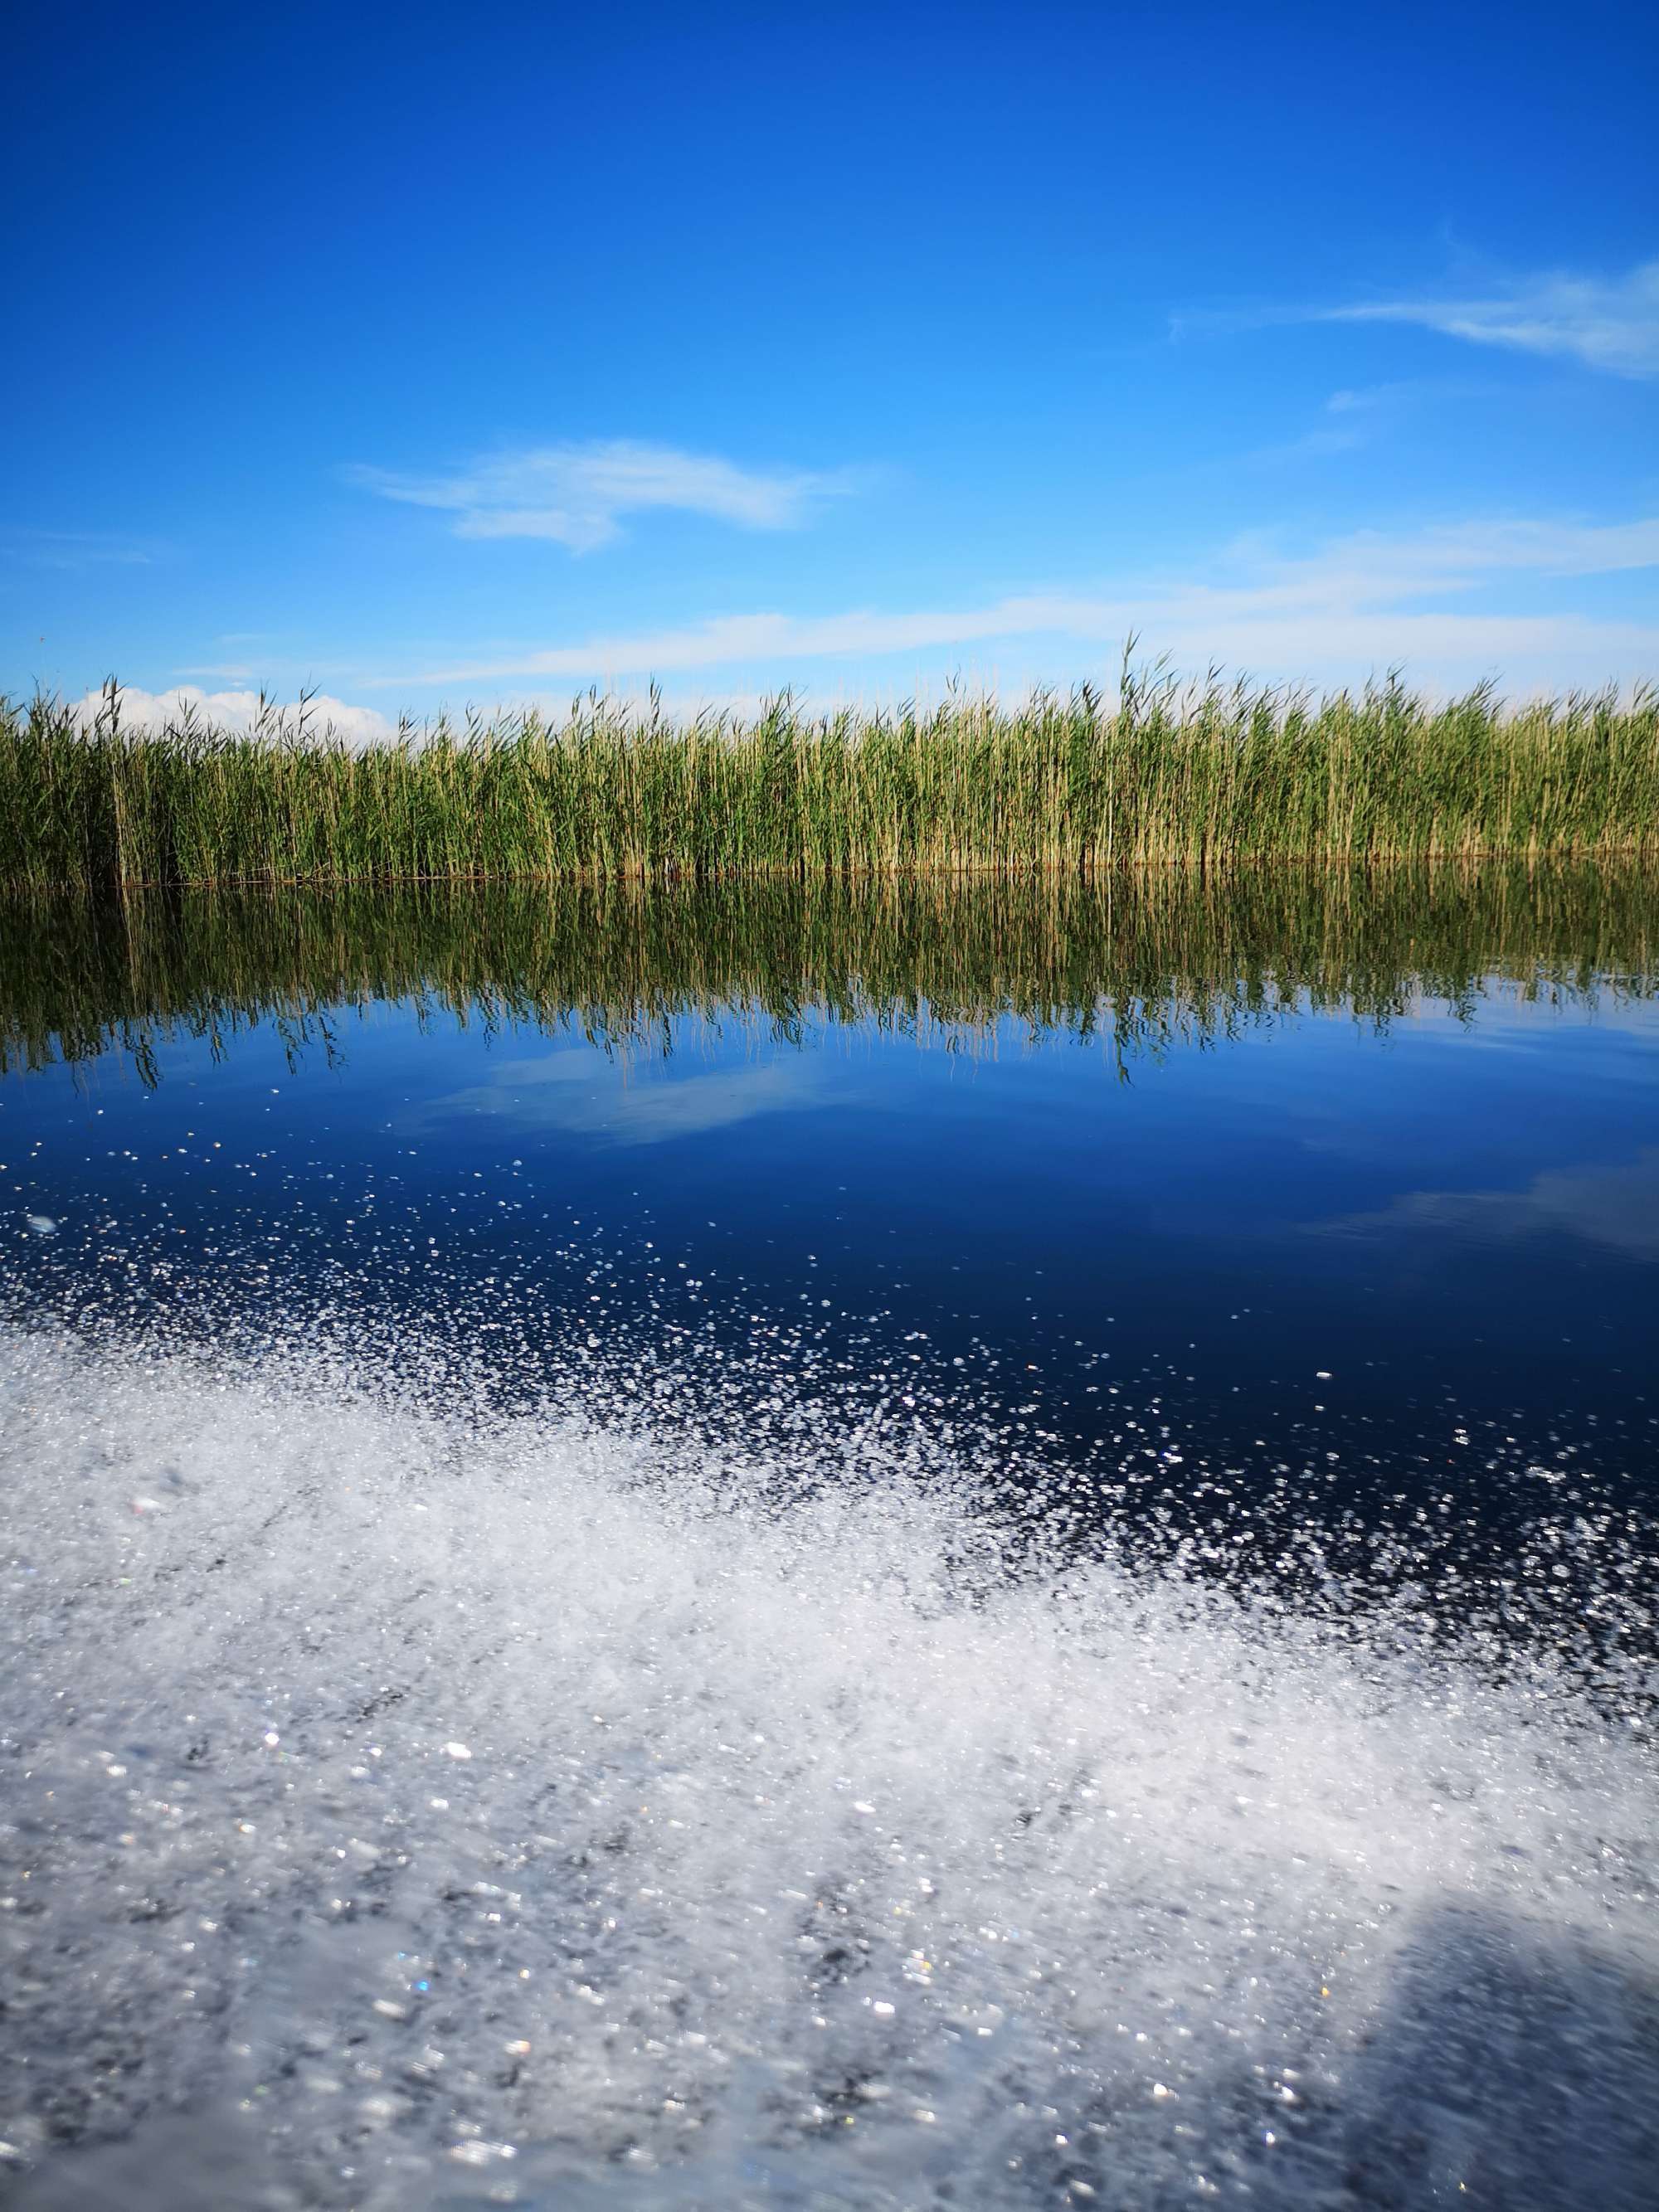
{"x":1134,"y":961}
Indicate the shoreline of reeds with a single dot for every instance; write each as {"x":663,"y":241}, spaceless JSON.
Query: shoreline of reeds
{"x":1162,"y":777}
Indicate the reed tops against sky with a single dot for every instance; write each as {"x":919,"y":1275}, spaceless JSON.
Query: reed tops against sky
{"x":1073,"y":784}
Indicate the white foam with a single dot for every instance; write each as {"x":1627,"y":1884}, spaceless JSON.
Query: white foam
{"x":408,"y":1809}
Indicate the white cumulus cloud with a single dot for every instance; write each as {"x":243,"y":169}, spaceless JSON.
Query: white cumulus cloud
{"x":239,"y":710}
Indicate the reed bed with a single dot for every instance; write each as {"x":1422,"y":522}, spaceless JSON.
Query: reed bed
{"x":1136,"y":960}
{"x":1164,"y":775}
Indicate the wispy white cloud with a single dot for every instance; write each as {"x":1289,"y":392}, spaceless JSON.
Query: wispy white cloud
{"x":1317,"y":444}
{"x":239,"y":710}
{"x":1380,"y":565}
{"x":78,"y":549}
{"x":1606,"y":323}
{"x":1359,"y":602}
{"x":576,"y":495}
{"x":1355,"y":416}
{"x":1366,"y":399}
{"x":1358,"y":416}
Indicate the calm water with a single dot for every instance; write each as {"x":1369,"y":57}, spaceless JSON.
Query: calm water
{"x":979,"y":1548}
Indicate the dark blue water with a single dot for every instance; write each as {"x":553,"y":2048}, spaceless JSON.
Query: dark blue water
{"x":1407,"y":1240}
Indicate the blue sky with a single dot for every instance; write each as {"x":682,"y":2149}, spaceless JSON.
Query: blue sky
{"x":428,"y":355}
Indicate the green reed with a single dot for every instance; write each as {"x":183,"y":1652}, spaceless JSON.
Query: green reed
{"x":1135,"y":959}
{"x":1164,"y":775}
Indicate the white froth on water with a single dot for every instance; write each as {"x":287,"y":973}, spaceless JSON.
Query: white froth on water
{"x":407,"y":1810}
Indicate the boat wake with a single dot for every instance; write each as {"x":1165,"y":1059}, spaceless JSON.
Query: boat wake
{"x":410,"y":1806}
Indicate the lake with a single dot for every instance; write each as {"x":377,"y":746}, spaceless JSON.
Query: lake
{"x":986,"y":1544}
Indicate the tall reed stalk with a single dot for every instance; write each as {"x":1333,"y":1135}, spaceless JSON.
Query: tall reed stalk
{"x":1193,"y":777}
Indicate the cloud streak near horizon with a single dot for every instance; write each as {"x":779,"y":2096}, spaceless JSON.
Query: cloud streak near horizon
{"x":1356,"y":599}
{"x":576,"y":496}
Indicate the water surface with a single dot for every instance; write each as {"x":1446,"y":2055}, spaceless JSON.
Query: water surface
{"x":985,"y":1545}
